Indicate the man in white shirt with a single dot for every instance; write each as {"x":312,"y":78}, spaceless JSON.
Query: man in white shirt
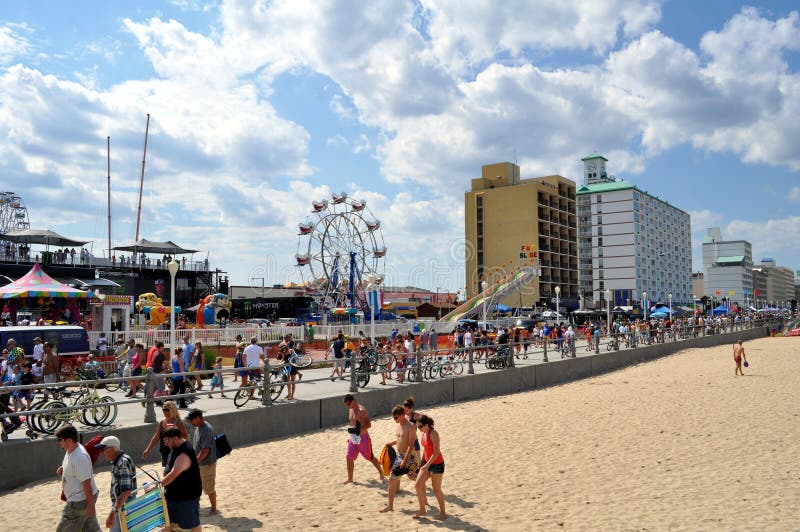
{"x":252,"y":359}
{"x":78,"y":484}
{"x":38,"y":349}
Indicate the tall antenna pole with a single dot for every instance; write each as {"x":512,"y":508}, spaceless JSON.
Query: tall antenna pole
{"x":108,"y":160}
{"x":141,"y":182}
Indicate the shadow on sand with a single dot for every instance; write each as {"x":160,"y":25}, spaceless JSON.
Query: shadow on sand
{"x":233,"y":524}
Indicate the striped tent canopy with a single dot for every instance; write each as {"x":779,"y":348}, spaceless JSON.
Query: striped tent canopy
{"x":36,"y":283}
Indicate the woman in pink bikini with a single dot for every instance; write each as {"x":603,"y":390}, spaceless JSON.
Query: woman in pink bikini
{"x":433,"y":466}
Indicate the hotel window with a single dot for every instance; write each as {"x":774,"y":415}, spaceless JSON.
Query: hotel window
{"x":599,"y":198}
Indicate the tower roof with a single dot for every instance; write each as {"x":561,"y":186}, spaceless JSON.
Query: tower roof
{"x":594,"y":156}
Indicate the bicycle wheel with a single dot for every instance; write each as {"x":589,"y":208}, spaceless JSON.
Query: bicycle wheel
{"x":111,"y":410}
{"x":112,"y":386}
{"x":609,"y":346}
{"x":457,"y":366}
{"x":302,"y":361}
{"x":387,"y":361}
{"x":276,"y":385}
{"x":241,"y":397}
{"x":95,"y":412}
{"x":50,"y":421}
{"x":429,"y":372}
{"x":362,"y":379}
{"x":411,"y":374}
{"x":32,"y":420}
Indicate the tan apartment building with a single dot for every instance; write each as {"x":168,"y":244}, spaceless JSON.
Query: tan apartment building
{"x":508,"y":219}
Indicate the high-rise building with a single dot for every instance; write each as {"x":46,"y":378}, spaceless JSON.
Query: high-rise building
{"x":727,"y":268}
{"x":779,"y":283}
{"x":630,"y":243}
{"x":508,"y":220}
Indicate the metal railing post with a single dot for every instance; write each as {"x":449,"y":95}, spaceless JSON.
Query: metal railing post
{"x":545,"y":351}
{"x":353,"y":385}
{"x":574,"y":348}
{"x":596,"y":344}
{"x":470,"y":367}
{"x":510,"y":355}
{"x":618,"y":340}
{"x":418,"y":362}
{"x":149,"y":391}
{"x":265,"y":400}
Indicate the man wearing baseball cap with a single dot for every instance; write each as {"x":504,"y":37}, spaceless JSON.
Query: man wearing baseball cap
{"x":123,"y":478}
{"x":206,"y":451}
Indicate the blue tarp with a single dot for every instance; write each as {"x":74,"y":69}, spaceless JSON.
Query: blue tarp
{"x":501,"y":308}
{"x":659,"y":314}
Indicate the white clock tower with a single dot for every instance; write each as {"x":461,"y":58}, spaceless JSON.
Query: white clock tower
{"x":594,"y":170}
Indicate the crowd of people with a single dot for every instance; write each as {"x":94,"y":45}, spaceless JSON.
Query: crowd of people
{"x":189,"y":470}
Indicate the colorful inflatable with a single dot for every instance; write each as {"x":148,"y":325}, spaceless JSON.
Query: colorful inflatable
{"x":154,"y":309}
{"x":214,"y":309}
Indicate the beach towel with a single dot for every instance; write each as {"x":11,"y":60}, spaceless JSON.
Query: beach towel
{"x":386,"y":458}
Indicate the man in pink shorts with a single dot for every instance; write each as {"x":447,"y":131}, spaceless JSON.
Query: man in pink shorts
{"x":358,"y":437}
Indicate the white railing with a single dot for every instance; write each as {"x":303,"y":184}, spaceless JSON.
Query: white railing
{"x":225,"y":336}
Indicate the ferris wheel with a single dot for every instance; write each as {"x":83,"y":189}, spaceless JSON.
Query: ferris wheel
{"x":340,"y":250}
{"x":13,"y":214}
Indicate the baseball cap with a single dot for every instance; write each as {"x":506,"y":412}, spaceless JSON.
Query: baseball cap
{"x":108,"y":441}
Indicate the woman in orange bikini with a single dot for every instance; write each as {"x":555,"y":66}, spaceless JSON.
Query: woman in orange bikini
{"x":433,"y":466}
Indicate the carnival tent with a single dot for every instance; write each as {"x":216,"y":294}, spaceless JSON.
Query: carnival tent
{"x":36,"y":283}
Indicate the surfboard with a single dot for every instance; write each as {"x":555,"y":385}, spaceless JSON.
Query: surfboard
{"x":386,"y":458}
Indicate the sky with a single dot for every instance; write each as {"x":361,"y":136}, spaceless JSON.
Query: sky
{"x":259,"y":108}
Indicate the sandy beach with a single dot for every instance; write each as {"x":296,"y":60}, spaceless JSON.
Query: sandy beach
{"x":678,"y":443}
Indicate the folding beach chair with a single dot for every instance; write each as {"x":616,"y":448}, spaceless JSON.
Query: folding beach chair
{"x":147,"y":511}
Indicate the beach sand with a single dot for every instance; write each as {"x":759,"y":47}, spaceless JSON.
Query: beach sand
{"x":678,"y":443}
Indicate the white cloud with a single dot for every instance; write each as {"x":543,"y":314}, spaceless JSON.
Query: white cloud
{"x":361,"y":144}
{"x":13,"y":43}
{"x":794,"y":194}
{"x":466,"y":34}
{"x":340,"y":108}
{"x":768,"y":237}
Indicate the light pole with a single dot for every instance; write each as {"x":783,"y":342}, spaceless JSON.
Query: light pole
{"x":608,"y":310}
{"x":670,"y":306}
{"x":644,"y":304}
{"x":173,"y":267}
{"x":558,"y":293}
{"x":438,"y":308}
{"x":484,"y":286}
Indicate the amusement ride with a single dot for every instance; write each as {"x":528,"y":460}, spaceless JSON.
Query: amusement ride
{"x":340,"y":253}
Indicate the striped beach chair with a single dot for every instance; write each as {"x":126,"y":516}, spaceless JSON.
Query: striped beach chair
{"x":146,"y":512}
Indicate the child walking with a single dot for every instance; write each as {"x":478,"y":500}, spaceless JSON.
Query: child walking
{"x":216,"y":380}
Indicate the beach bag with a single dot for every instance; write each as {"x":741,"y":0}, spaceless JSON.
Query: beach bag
{"x":222,"y":445}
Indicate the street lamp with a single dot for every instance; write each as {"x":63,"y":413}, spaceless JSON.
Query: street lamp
{"x":670,"y":305}
{"x":439,"y":308}
{"x":644,"y":304}
{"x":608,"y":310}
{"x":558,"y":293}
{"x":173,"y":267}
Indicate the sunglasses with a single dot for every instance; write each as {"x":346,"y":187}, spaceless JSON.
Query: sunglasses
{"x":167,"y":411}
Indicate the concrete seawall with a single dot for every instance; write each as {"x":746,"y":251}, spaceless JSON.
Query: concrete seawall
{"x":31,"y":461}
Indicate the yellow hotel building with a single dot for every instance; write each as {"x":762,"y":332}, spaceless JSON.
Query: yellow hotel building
{"x":504,"y":213}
